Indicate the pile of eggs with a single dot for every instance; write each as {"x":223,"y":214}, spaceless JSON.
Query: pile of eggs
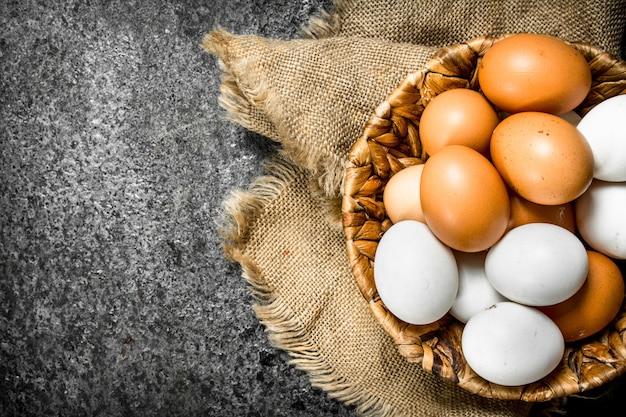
{"x":514,"y":222}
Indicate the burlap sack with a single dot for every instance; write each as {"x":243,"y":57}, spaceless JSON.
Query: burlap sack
{"x":440,"y":23}
{"x":314,"y":97}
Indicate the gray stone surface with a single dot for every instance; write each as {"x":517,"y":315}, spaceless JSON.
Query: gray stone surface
{"x":115,"y":299}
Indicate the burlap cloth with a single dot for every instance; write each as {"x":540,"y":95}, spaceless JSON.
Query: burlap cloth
{"x":313,"y":96}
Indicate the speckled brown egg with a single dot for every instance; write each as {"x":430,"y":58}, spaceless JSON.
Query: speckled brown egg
{"x":542,"y":157}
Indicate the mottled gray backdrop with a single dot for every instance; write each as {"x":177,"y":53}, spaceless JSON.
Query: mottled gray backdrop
{"x":115,"y":299}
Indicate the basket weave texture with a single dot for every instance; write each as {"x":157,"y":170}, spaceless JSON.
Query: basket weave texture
{"x":390,"y":142}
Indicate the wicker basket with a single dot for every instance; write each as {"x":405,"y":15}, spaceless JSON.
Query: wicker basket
{"x":390,"y":142}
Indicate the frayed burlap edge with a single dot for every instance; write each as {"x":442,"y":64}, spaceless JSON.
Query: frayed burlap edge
{"x":325,"y":24}
{"x":240,"y":211}
{"x":238,"y":99}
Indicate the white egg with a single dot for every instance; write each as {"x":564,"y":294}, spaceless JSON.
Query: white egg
{"x":512,"y":344}
{"x":604,"y":127}
{"x":475,"y":292}
{"x":601,"y":217}
{"x":415,"y":274}
{"x":537,"y":264}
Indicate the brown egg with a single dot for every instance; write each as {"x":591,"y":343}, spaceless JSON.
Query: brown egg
{"x":542,"y":157}
{"x":458,"y":117}
{"x":464,"y":200}
{"x":524,"y":212}
{"x":401,"y":196}
{"x":533,"y":72}
{"x":596,"y":303}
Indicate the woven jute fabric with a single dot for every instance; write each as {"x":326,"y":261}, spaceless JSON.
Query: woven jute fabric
{"x":314,"y":96}
{"x":441,"y":23}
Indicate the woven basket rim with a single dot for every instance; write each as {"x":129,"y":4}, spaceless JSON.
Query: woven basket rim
{"x":389,"y":143}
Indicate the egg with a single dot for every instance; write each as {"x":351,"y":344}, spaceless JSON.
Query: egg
{"x":475,"y":293}
{"x":537,"y":264}
{"x":594,"y":305}
{"x":460,"y":116}
{"x":524,"y":212}
{"x":542,"y":157}
{"x":401,"y":196}
{"x":534,"y":72}
{"x":415,"y":274}
{"x":571,"y":117}
{"x":464,"y":200}
{"x":604,"y":127}
{"x":512,"y":344}
{"x":600,"y":217}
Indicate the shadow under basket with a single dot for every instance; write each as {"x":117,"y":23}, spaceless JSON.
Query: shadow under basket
{"x":389,"y":143}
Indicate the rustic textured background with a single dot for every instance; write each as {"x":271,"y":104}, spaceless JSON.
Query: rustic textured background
{"x":115,"y":299}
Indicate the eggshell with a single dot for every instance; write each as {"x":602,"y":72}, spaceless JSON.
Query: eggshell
{"x":600,"y":217}
{"x":534,"y":72}
{"x":475,"y":292}
{"x":401,"y":195}
{"x":511,"y":344}
{"x":542,"y":157}
{"x":593,"y":306}
{"x":604,"y":127}
{"x":537,"y":264}
{"x":415,"y":274}
{"x":571,"y":117}
{"x":524,"y":212}
{"x":459,"y":116}
{"x":464,"y":200}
